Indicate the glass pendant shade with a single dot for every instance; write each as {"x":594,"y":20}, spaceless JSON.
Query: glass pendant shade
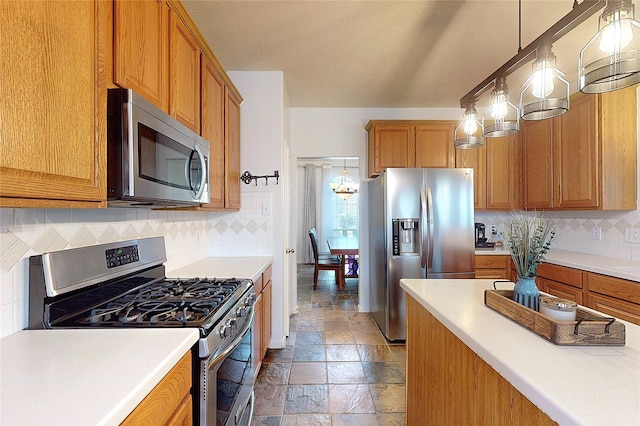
{"x":611,"y":59}
{"x":502,"y":117}
{"x":545,"y":94}
{"x":468,"y":134}
{"x":344,"y":185}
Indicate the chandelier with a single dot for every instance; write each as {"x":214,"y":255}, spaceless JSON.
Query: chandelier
{"x":344,"y":185}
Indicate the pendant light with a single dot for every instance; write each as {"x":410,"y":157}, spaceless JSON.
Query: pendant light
{"x":502,"y":117}
{"x":468,"y":134}
{"x":344,"y":185}
{"x":611,"y":59}
{"x":545,"y":94}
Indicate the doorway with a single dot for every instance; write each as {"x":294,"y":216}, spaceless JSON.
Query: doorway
{"x":318,"y":206}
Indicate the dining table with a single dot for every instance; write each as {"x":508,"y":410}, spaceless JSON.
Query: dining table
{"x":347,"y":248}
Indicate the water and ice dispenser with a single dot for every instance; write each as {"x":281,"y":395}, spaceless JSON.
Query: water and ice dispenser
{"x":405,"y":237}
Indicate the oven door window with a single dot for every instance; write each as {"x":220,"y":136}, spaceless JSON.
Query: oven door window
{"x":234,"y":380}
{"x":165,"y":161}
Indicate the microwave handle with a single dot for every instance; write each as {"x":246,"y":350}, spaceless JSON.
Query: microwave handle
{"x":205,"y":172}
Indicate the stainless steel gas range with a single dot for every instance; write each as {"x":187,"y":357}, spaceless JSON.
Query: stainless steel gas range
{"x":124,"y":285}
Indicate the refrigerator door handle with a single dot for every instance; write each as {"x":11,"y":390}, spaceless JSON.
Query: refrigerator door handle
{"x":430,"y":229}
{"x":423,"y":228}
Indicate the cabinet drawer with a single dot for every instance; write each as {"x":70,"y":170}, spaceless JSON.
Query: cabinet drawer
{"x":492,"y":261}
{"x":569,"y":276}
{"x":614,"y":287}
{"x":561,"y":290}
{"x":258,"y":285}
{"x":266,"y":275}
{"x":615,"y":307}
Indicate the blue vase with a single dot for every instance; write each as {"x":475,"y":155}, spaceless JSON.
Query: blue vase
{"x":526,"y":292}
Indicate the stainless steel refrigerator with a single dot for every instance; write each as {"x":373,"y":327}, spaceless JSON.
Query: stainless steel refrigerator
{"x":421,"y":225}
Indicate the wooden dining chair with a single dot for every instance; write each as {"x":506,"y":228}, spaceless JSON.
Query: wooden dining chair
{"x":325,"y":263}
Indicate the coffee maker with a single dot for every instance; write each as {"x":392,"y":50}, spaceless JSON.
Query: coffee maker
{"x":481,"y":238}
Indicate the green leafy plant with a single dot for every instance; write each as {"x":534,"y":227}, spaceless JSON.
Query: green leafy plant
{"x":528,"y":240}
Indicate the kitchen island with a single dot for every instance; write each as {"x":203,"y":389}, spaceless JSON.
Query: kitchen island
{"x":467,"y":364}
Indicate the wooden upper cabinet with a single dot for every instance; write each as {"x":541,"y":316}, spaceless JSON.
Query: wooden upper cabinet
{"x":53,"y":103}
{"x":537,"y":142}
{"x":140,"y":49}
{"x":577,"y":160}
{"x":434,"y":144}
{"x":477,"y":160}
{"x":408,"y":143}
{"x":596,"y":153}
{"x":212,"y":119}
{"x":390,"y":146}
{"x":184,"y":74}
{"x":232,"y":151}
{"x":584,"y":159}
{"x":502,"y":172}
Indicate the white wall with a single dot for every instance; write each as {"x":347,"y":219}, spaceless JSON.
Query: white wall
{"x":262,"y":138}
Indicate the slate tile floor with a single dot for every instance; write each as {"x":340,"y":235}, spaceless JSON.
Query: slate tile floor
{"x":336,"y":367}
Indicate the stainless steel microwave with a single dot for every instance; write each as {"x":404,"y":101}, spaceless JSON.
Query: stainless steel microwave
{"x":152,"y":159}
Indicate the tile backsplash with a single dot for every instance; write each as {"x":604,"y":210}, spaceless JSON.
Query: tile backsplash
{"x":189,"y":236}
{"x":575,"y":229}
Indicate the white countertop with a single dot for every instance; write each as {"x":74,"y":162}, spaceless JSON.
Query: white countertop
{"x":572,"y":384}
{"x":224,"y":267}
{"x":620,"y":268}
{"x":84,"y":377}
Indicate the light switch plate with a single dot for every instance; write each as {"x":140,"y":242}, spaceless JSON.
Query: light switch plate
{"x":596,"y":233}
{"x":266,"y":208}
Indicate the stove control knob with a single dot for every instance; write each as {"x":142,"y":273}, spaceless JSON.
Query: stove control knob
{"x":232,"y":323}
{"x":241,"y":311}
{"x":249,"y":300}
{"x":224,"y":331}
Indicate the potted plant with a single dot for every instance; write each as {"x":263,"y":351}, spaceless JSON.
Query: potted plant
{"x":528,"y":240}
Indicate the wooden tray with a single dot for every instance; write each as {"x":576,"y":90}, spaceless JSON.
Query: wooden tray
{"x":589,"y":329}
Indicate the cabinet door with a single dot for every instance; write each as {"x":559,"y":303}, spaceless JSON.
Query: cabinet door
{"x":390,"y":146}
{"x":183,"y":416}
{"x":53,"y":103}
{"x":537,"y":172}
{"x":477,"y":160}
{"x":257,"y":334}
{"x":212,"y":120}
{"x":577,"y":161}
{"x":184,"y":72}
{"x":434,"y":145}
{"x":502,"y":172}
{"x":140,"y":47}
{"x":266,"y":317}
{"x":232,"y":152}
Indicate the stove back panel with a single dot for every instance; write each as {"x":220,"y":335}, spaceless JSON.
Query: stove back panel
{"x":68,"y":270}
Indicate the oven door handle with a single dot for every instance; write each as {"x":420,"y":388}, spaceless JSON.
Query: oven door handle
{"x":220,"y":357}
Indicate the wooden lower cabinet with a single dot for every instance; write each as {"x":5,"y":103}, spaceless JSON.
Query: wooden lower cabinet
{"x":448,"y":383}
{"x":608,"y":295}
{"x":169,"y":403}
{"x":262,"y":317}
{"x":614,"y":296}
{"x":492,"y":266}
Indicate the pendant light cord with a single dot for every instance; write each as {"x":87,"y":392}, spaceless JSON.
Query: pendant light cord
{"x":519,"y":25}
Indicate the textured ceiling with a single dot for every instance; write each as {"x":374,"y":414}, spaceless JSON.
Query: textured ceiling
{"x":382,"y":53}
